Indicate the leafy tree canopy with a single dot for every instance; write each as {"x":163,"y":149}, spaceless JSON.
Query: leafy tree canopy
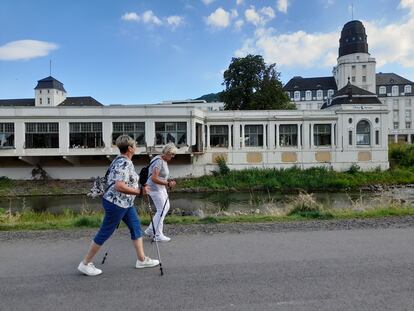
{"x":251,"y":84}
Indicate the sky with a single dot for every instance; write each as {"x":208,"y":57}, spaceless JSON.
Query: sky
{"x":149,"y":51}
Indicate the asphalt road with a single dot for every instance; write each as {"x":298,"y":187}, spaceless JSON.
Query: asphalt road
{"x":370,"y":269}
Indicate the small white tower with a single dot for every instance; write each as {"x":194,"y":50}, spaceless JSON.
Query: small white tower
{"x":354,"y":61}
{"x":49,"y":92}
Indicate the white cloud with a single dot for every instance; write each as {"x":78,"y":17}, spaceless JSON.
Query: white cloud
{"x":392,"y":43}
{"x":328,"y":3}
{"x":282,"y":5}
{"x":132,"y":16}
{"x":388,"y":43}
{"x":220,"y":18}
{"x":295,"y":49}
{"x":407,"y":4}
{"x":259,"y":17}
{"x":239,"y":2}
{"x":207,"y":2}
{"x":26,"y":49}
{"x":149,"y":18}
{"x":174,"y":21}
{"x":238,"y":24}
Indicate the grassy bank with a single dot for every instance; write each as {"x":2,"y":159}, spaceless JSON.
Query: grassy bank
{"x":293,"y":179}
{"x":300,"y":210}
{"x":283,"y":180}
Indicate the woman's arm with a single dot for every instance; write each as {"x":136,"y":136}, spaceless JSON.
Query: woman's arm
{"x":155,"y":177}
{"x":122,"y":187}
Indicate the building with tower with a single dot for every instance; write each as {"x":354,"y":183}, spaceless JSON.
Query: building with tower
{"x":356,"y":66}
{"x":340,"y":122}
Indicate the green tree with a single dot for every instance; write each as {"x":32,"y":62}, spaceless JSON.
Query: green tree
{"x":251,"y":84}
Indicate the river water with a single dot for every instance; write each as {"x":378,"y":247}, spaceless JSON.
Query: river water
{"x":204,"y":204}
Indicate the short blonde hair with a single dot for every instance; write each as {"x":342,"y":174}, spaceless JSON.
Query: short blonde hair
{"x":169,"y":149}
{"x":123,"y":142}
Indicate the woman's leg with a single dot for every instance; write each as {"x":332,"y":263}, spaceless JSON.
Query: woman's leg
{"x":113,"y":215}
{"x":131,"y":219}
{"x":160,"y":199}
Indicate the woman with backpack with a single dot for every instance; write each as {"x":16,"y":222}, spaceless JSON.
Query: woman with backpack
{"x":118,"y":200}
{"x":158,"y":183}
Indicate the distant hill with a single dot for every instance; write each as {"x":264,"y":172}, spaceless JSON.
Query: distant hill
{"x":212,"y":97}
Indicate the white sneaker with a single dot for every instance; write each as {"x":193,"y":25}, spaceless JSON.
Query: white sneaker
{"x":147,"y":263}
{"x":149,"y":232}
{"x":162,"y":238}
{"x":89,"y":269}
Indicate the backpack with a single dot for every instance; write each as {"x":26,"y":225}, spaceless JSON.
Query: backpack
{"x":143,"y":174}
{"x":100,"y":185}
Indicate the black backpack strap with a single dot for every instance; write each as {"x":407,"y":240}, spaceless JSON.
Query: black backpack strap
{"x":107,"y":173}
{"x":149,"y":165}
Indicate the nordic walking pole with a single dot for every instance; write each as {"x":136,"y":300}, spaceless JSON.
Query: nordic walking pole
{"x":107,"y":251}
{"x":153,"y":230}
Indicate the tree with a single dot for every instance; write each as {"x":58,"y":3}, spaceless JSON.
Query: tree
{"x":251,"y":84}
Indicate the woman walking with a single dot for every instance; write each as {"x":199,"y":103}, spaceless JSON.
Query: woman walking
{"x":158,"y":183}
{"x":118,"y":204}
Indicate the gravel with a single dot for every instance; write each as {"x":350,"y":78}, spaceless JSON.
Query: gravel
{"x":176,"y":230}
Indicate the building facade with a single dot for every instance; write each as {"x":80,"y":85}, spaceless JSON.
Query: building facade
{"x":356,"y":64}
{"x":73,"y":137}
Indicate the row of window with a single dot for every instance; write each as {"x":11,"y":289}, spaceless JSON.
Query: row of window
{"x":288,"y":135}
{"x":395,"y":90}
{"x":89,"y":134}
{"x":308,"y":95}
{"x":396,"y":125}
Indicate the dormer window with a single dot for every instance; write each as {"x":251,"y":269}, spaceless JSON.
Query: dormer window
{"x":407,"y":89}
{"x":394,"y":90}
{"x":382,"y":90}
{"x":308,"y":95}
{"x":319,"y":94}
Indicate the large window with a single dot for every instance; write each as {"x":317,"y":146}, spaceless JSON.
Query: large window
{"x":288,"y":135}
{"x":6,"y":135}
{"x":253,"y":135}
{"x":407,"y":89}
{"x":42,"y":135}
{"x":171,"y":132}
{"x":363,"y":133}
{"x":322,"y":134}
{"x":136,"y":130}
{"x":85,"y":135}
{"x":296,"y":95}
{"x":219,"y":136}
{"x":382,"y":90}
{"x":308,"y":95}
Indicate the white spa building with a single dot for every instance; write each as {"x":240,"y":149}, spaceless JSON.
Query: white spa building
{"x":73,"y":137}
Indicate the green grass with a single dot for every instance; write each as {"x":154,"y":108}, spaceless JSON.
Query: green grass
{"x":68,"y":220}
{"x":294,"y":179}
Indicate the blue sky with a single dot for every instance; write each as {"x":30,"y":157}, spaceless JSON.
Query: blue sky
{"x":148,"y":51}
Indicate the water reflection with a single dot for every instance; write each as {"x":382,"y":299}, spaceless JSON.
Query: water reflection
{"x":202,"y":204}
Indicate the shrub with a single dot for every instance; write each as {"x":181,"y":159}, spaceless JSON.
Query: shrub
{"x":401,"y":155}
{"x":223,"y":168}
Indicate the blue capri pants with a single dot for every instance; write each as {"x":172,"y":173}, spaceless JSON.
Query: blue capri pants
{"x":113,"y":216}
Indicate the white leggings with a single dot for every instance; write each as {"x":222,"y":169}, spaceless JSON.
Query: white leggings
{"x":159,"y":199}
